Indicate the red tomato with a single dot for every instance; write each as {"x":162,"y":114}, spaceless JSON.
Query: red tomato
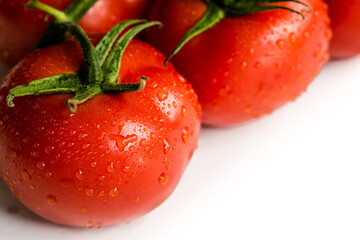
{"x":21,"y":27}
{"x":245,"y":66}
{"x":115,"y":159}
{"x":345,"y":21}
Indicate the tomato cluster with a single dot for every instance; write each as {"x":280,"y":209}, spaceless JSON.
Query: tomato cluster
{"x":117,"y":147}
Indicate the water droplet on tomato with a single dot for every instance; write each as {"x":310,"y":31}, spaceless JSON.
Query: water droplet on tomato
{"x":125,"y":169}
{"x":185,"y":135}
{"x":167,"y":146}
{"x":35,"y":154}
{"x":89,"y":191}
{"x":114,"y":192}
{"x":280,"y":43}
{"x":110,"y":167}
{"x":93,"y":164}
{"x":292,"y":37}
{"x":162,"y":96}
{"x":163,"y":179}
{"x":122,"y":142}
{"x":79,"y":175}
{"x":49,"y":149}
{"x":26,"y":175}
{"x":51,"y":200}
{"x":183,"y":111}
{"x":137,"y":199}
{"x":90,"y":224}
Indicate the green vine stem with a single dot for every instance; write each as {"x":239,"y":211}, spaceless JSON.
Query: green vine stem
{"x":99,"y":73}
{"x":53,"y":34}
{"x":219,"y":9}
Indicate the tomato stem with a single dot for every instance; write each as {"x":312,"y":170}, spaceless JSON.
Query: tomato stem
{"x":219,"y":9}
{"x":59,"y":15}
{"x":74,"y":13}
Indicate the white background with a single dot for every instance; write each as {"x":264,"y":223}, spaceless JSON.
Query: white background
{"x":292,"y":175}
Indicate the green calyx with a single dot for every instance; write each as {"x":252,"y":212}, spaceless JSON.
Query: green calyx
{"x":100,"y":71}
{"x":219,"y":9}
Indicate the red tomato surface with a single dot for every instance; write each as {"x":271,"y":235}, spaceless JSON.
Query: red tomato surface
{"x":115,"y":159}
{"x":21,"y":27}
{"x":246,"y":66}
{"x":345,"y":22}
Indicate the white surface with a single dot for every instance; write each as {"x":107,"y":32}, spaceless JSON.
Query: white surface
{"x":292,"y":175}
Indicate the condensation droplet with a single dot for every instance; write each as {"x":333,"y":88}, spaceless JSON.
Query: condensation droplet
{"x":26,"y":175}
{"x":110,"y":167}
{"x":89,"y":192}
{"x":114,"y":192}
{"x":40,"y":165}
{"x":167,"y":146}
{"x":163,"y":179}
{"x":51,"y":200}
{"x":185,"y":135}
{"x":79,"y":175}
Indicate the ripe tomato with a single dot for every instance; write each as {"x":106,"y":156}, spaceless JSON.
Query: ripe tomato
{"x":21,"y":27}
{"x":244,"y":66}
{"x":345,"y":22}
{"x":116,"y":158}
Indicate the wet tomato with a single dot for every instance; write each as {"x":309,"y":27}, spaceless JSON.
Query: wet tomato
{"x":244,"y":66}
{"x":115,"y":159}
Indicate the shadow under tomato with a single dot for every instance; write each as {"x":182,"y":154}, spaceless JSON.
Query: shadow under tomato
{"x":9,"y":205}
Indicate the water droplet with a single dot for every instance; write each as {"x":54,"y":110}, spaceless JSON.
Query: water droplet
{"x":292,"y":37}
{"x":101,"y":178}
{"x":183,"y":111}
{"x":185,"y":134}
{"x":167,"y":146}
{"x":89,"y":192}
{"x":40,"y":165}
{"x":125,"y":169}
{"x":163,"y":179}
{"x":48,"y":149}
{"x":162,"y":96}
{"x":152,"y":135}
{"x":110,"y":167}
{"x":82,"y":136}
{"x":79,"y":175}
{"x":90,"y":224}
{"x":48,"y":174}
{"x":257,"y":65}
{"x":114,"y":192}
{"x":51,"y":200}
{"x":280,"y":43}
{"x":142,"y":142}
{"x":101,"y":193}
{"x":93,"y":164}
{"x":122,"y":142}
{"x":26,"y":175}
{"x":137,"y":199}
{"x":35,"y":154}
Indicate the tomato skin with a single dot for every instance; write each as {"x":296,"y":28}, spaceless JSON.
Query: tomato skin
{"x":21,"y":27}
{"x":115,"y":159}
{"x":248,"y":66}
{"x":345,"y":22}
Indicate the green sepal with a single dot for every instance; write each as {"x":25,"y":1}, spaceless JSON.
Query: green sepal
{"x":212,"y":16}
{"x":104,"y":46}
{"x":82,"y":95}
{"x":64,"y":83}
{"x":124,"y":88}
{"x":111,"y":66}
